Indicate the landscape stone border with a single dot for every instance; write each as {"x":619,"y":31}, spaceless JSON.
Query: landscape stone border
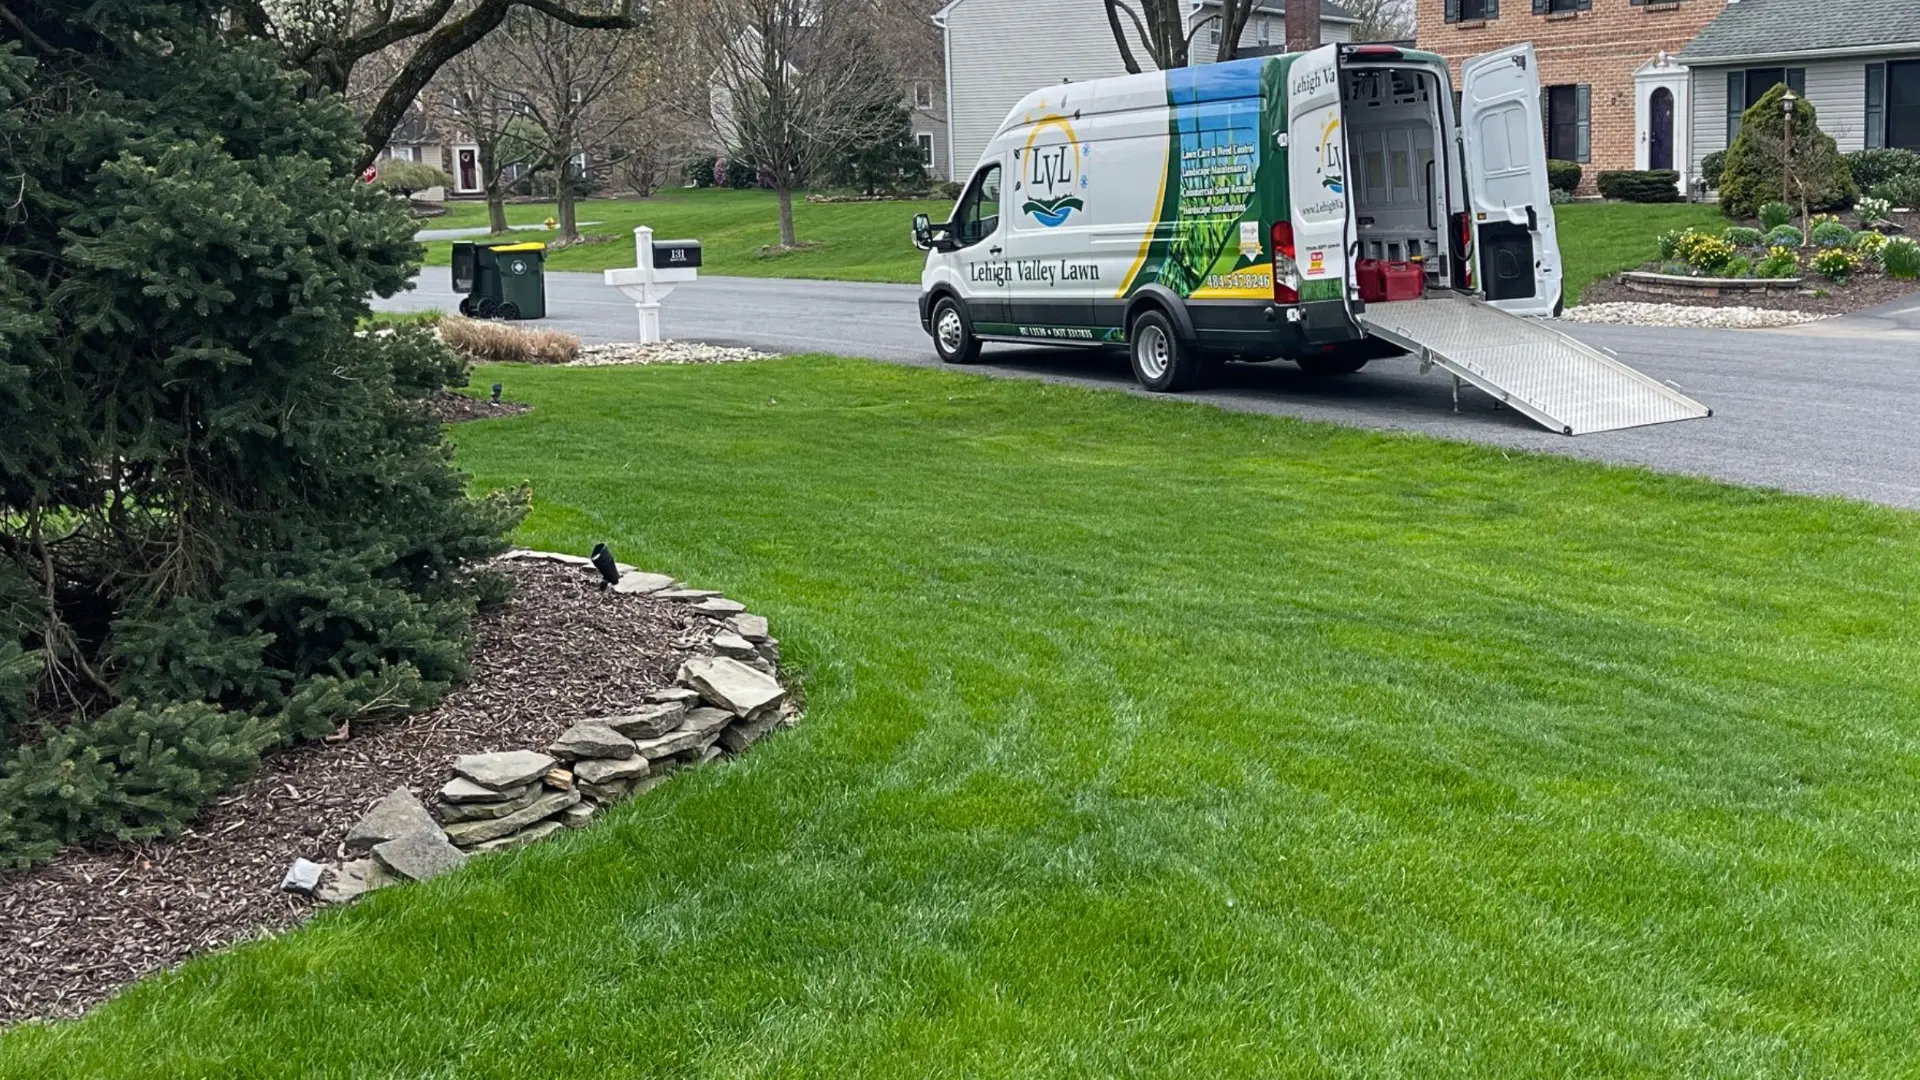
{"x":1646,"y":281}
{"x":719,"y":706}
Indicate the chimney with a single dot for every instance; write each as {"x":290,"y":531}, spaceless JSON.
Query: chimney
{"x":1303,"y":25}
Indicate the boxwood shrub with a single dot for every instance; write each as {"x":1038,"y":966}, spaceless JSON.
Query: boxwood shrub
{"x":1640,"y":185}
{"x":1563,"y":175}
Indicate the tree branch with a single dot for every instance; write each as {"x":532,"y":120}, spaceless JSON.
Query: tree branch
{"x":1114,"y":7}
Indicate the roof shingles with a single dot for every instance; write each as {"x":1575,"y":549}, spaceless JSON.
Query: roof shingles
{"x":1773,"y":27}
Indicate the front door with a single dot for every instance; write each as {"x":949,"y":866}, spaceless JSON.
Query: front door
{"x":1660,"y":129}
{"x":980,"y":257}
{"x":1322,"y":213}
{"x":1506,"y":162}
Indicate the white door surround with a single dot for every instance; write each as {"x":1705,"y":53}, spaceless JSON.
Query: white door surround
{"x":1663,"y":73}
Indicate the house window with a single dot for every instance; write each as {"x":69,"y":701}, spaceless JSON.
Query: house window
{"x":1265,"y":31}
{"x":1559,"y":7}
{"x":924,"y":140}
{"x":1213,"y":31}
{"x":923,"y":95}
{"x":1569,"y":122}
{"x":1472,"y":10}
{"x":1903,"y":104}
{"x":1746,"y":88}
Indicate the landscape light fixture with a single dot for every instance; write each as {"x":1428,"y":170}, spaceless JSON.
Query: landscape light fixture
{"x":496,"y":393}
{"x":602,"y":560}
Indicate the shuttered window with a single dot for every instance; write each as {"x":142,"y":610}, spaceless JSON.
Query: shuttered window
{"x":1555,"y":7}
{"x":1876,"y":105}
{"x":1569,"y":122}
{"x":1746,"y":88}
{"x":1472,"y":10}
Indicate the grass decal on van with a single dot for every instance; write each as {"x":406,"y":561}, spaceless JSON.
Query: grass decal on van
{"x":1212,"y":164}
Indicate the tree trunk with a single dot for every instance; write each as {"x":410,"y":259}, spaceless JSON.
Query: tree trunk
{"x":787,"y":237}
{"x":495,"y":188}
{"x":563,"y":190}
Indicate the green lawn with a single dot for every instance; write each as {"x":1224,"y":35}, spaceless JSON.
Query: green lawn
{"x":1149,"y":739}
{"x":870,"y":242}
{"x":857,"y":241}
{"x":1597,"y":239}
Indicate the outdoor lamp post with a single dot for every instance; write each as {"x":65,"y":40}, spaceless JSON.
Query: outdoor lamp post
{"x":1787,"y":102}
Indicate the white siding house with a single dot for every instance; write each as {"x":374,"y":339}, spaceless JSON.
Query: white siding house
{"x":1857,"y":62}
{"x":1837,"y":90}
{"x":998,"y":51}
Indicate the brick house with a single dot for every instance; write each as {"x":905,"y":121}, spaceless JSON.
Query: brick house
{"x":1614,"y":96}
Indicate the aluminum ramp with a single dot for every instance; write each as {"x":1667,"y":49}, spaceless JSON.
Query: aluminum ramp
{"x":1561,"y":383}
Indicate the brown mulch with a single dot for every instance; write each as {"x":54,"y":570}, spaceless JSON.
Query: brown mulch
{"x":73,"y":931}
{"x":450,"y":407}
{"x":1861,"y":291}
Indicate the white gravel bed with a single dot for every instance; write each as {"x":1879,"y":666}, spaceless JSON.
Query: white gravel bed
{"x":662,"y":352}
{"x":1722,"y":318}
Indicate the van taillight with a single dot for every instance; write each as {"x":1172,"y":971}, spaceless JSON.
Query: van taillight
{"x":1283,"y":265}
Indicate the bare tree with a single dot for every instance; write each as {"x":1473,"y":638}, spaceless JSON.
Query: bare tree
{"x":568,"y":82}
{"x":329,"y":39}
{"x":1380,"y":20}
{"x":1161,"y":28}
{"x":468,"y":98}
{"x":797,"y":82}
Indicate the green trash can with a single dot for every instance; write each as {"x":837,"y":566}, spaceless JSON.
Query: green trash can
{"x":509,"y":282}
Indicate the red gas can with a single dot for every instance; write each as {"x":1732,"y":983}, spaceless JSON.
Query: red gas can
{"x":1382,"y":281}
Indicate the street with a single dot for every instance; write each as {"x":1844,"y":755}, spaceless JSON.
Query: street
{"x":1829,"y":408}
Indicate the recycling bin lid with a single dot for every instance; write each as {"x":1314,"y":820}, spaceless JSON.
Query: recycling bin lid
{"x":529,"y":246}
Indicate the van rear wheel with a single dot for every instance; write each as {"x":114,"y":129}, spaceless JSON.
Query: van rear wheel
{"x":1160,"y":362}
{"x":953,"y":333}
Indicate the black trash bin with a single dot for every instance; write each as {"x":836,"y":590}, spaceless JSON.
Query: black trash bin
{"x":508,"y":282}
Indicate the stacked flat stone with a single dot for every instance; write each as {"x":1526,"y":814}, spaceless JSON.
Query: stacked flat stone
{"x":720,"y":705}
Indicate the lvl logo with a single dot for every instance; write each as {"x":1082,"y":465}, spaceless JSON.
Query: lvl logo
{"x":1053,"y":176}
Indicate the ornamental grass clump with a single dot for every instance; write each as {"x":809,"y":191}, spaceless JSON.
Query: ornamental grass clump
{"x":1901,"y":258}
{"x":487,"y":342}
{"x":1775,"y":214}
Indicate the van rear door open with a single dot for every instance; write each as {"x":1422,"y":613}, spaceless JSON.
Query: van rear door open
{"x":1506,"y":158}
{"x":1321,"y":214}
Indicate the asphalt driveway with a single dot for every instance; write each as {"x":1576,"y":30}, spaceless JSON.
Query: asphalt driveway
{"x":1830,"y":408}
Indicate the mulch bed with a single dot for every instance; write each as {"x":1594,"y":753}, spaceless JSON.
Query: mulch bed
{"x":450,"y":407}
{"x":1862,"y":291}
{"x":73,"y":931}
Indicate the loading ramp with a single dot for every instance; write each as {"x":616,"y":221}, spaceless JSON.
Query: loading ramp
{"x":1560,"y":383}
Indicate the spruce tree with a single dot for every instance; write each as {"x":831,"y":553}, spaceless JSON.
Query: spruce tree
{"x":227,"y":519}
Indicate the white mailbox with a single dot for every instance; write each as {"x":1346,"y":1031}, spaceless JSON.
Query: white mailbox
{"x":659,"y":265}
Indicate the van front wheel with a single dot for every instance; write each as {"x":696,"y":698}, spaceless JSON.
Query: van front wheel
{"x":1160,"y":362}
{"x":953,"y":334}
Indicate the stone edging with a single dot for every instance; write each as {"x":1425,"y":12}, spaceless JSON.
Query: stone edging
{"x":1680,"y":285}
{"x":719,"y":705}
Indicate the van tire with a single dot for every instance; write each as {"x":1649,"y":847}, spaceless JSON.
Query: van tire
{"x":1161,"y":363}
{"x":953,"y":338}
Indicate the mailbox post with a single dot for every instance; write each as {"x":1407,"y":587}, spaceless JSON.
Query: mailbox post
{"x":658,"y":267}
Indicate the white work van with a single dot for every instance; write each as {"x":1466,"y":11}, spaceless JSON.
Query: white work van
{"x":1223,"y":211}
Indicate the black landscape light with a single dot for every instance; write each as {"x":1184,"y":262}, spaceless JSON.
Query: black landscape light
{"x":603,"y":561}
{"x":496,"y":393}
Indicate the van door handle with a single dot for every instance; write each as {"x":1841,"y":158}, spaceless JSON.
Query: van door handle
{"x":993,"y":251}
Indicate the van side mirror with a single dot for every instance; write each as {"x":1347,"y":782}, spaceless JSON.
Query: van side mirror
{"x":922,"y":232}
